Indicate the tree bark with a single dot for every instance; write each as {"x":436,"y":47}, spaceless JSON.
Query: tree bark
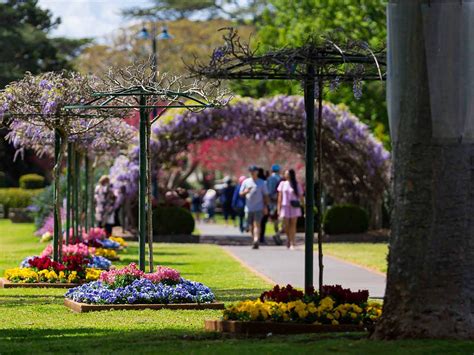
{"x":430,"y":281}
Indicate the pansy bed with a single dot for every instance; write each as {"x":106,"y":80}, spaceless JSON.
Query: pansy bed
{"x":131,"y":288}
{"x":286,"y":310}
{"x":44,"y":272}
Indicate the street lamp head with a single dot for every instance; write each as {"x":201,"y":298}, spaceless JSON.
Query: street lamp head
{"x":143,"y":34}
{"x":164,"y":35}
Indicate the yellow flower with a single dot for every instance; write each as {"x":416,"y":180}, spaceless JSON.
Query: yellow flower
{"x":106,"y":253}
{"x":326,"y":303}
{"x":23,"y":275}
{"x":119,"y":240}
{"x":334,"y":322}
{"x":73,"y":278}
{"x":92,"y":274}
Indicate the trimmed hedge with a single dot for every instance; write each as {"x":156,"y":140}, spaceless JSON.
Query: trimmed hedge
{"x":15,"y":197}
{"x":172,"y":221}
{"x":31,"y":181}
{"x":345,"y":219}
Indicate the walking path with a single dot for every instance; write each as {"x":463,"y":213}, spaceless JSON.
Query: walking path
{"x":285,"y":266}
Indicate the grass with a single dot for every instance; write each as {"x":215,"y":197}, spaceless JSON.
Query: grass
{"x":371,"y":255}
{"x":35,"y":321}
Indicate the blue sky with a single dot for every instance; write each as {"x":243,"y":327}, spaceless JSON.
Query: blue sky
{"x":89,"y":18}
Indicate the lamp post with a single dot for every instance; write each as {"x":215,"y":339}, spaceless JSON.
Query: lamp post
{"x":146,"y":186}
{"x":164,"y":35}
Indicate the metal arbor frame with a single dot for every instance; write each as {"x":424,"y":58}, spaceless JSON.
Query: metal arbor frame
{"x":314,"y":64}
{"x":144,"y":98}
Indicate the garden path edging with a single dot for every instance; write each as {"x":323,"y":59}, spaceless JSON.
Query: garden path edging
{"x":85,"y":307}
{"x":4,"y":283}
{"x":249,"y":328}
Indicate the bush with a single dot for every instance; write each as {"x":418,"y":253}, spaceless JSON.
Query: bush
{"x":15,"y":197}
{"x":31,"y":181}
{"x":341,"y":219}
{"x":172,"y":221}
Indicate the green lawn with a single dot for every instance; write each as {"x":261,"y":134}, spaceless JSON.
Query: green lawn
{"x":371,"y":255}
{"x":35,"y":321}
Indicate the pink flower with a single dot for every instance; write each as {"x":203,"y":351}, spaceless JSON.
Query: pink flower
{"x":109,"y":276}
{"x":162,"y":274}
{"x":71,"y":249}
{"x":95,"y":234}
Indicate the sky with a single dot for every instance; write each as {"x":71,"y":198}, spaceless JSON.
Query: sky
{"x":90,"y":18}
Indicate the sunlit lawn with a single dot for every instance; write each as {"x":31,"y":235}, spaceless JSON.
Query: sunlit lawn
{"x":371,"y":255}
{"x":35,"y":321}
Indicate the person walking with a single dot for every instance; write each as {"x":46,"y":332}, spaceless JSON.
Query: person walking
{"x":238,"y":205}
{"x":263,"y":224}
{"x":104,"y":202}
{"x":256,"y":202}
{"x":290,"y":200}
{"x":209,"y":204}
{"x":196,"y":204}
{"x":226,"y":196}
{"x":272,"y":184}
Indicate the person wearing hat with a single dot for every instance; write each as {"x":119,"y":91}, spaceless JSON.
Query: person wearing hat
{"x":256,"y":202}
{"x":272,"y":184}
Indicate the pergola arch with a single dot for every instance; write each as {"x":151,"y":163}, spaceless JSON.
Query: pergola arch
{"x":355,"y":164}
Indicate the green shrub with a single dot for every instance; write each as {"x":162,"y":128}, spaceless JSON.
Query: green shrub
{"x":15,"y":197}
{"x":341,"y":219}
{"x":172,"y":221}
{"x":3,"y":179}
{"x":31,"y":181}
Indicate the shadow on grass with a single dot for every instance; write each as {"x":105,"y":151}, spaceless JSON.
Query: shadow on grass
{"x":238,"y":294}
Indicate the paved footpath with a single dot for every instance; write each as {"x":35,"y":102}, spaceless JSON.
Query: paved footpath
{"x":285,"y":266}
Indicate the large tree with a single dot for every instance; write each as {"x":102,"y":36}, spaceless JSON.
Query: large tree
{"x":430,"y":284}
{"x":27,"y":46}
{"x":290,"y":23}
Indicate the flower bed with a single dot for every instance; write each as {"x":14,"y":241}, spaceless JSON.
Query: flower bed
{"x":131,"y":287}
{"x":289,"y":310}
{"x":42,"y":271}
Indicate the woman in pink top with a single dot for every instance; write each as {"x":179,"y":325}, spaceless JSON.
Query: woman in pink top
{"x":290,"y":199}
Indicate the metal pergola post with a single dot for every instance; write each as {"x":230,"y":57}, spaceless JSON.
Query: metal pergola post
{"x":68,"y":192}
{"x":142,"y":204}
{"x":309,"y":95}
{"x":77,"y":187}
{"x":86,"y":191}
{"x":57,"y":227}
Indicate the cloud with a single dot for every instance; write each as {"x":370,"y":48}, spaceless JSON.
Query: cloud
{"x":90,"y":18}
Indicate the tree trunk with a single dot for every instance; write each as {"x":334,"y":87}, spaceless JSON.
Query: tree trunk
{"x":430,"y":281}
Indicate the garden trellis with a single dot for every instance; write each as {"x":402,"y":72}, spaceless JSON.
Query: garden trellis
{"x":34,"y":107}
{"x":138,"y":88}
{"x":314,"y":64}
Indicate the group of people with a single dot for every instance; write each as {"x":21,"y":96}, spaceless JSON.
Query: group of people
{"x":254,"y":201}
{"x":271,"y":197}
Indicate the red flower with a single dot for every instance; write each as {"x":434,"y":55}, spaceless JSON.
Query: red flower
{"x":345,"y":295}
{"x":284,"y":294}
{"x":45,"y":263}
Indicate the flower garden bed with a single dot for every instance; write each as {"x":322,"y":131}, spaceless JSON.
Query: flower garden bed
{"x":84,"y":307}
{"x":132,"y":289}
{"x":4,"y":283}
{"x":249,"y":327}
{"x":287,"y":310}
